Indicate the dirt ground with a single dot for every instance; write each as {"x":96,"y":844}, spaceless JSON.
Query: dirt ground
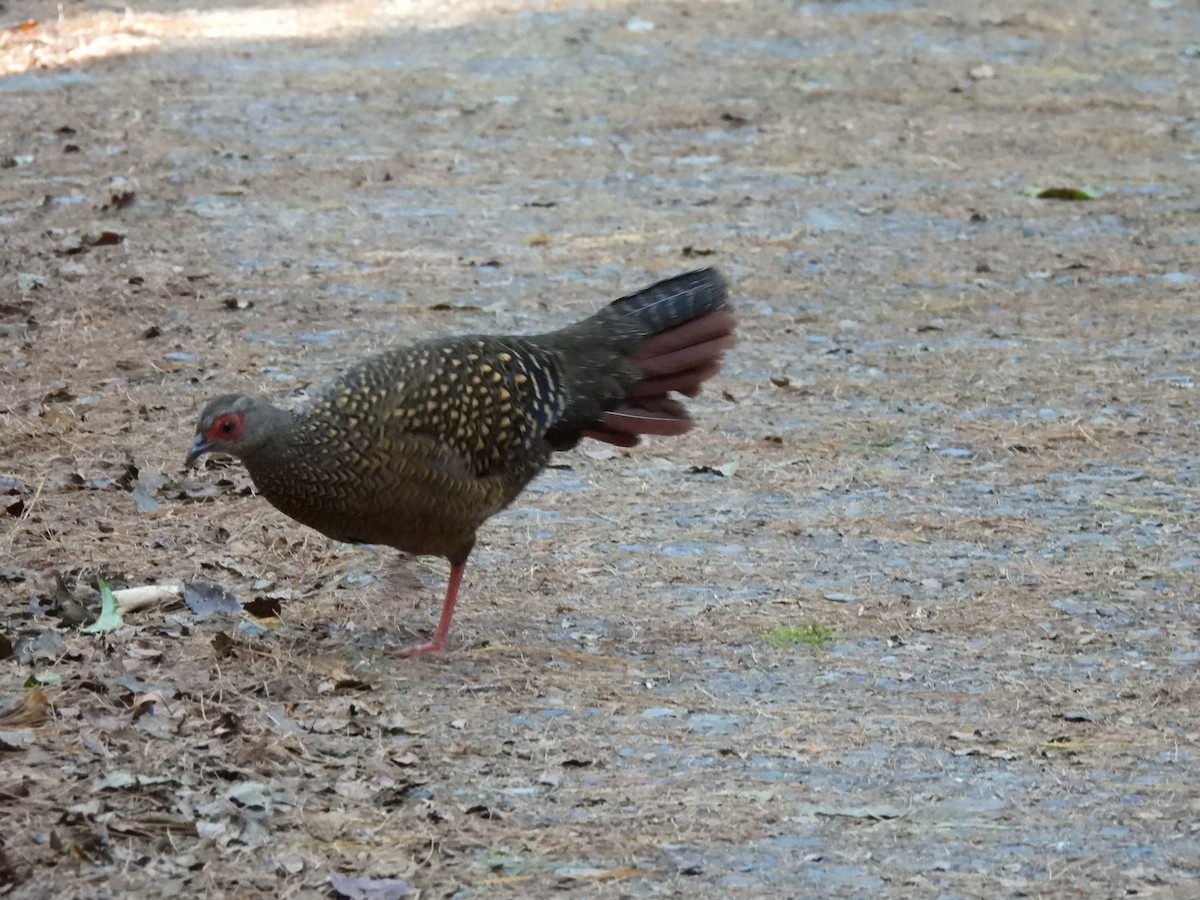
{"x":934,"y":631}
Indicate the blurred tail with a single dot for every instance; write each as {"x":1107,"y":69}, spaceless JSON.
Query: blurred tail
{"x":673,"y":334}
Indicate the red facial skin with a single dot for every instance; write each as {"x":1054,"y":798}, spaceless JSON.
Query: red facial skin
{"x":226,"y":428}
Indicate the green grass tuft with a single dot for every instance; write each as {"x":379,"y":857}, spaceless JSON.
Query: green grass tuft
{"x":814,"y":635}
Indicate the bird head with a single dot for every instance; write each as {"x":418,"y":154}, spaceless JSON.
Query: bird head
{"x":234,"y":424}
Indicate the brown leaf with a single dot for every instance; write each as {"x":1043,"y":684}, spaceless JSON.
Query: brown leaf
{"x":59,"y":395}
{"x":57,"y":418}
{"x":119,"y":200}
{"x":263,"y":607}
{"x":107,"y":239}
{"x":223,"y":644}
{"x":145,"y":703}
{"x":31,"y":710}
{"x":457,"y":307}
{"x":484,"y":812}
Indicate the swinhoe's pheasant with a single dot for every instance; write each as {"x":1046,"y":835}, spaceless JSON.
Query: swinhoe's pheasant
{"x":418,"y":446}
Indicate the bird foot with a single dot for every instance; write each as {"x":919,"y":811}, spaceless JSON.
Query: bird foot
{"x":434,"y":646}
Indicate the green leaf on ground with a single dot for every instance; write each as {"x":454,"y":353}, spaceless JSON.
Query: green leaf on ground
{"x":109,"y":619}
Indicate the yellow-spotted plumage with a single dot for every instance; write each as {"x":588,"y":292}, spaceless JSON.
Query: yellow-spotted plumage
{"x":417,"y":446}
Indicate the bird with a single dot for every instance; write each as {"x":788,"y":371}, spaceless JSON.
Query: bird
{"x":415,"y":447}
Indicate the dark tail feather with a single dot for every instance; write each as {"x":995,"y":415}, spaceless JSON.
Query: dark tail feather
{"x":697,"y":326}
{"x":658,"y":310}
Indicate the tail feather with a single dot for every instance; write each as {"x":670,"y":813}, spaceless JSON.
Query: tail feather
{"x":687,"y":382}
{"x":661,"y":416}
{"x":711,"y":326}
{"x":631,"y":356}
{"x":635,"y":321}
{"x":677,"y":359}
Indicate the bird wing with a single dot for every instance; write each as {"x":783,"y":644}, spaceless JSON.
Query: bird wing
{"x":489,"y":400}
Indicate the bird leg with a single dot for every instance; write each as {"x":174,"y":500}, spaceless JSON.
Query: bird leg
{"x":438,"y":644}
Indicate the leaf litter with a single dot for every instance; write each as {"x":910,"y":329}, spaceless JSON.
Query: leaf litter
{"x":894,"y":301}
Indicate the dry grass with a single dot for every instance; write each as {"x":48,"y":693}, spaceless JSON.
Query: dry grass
{"x":963,"y":420}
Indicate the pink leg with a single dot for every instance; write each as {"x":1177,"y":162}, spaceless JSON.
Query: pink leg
{"x":438,"y":644}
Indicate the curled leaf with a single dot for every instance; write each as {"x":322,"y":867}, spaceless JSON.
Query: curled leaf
{"x":109,"y":619}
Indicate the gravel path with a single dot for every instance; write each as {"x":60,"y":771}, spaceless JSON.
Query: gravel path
{"x":912,"y":613}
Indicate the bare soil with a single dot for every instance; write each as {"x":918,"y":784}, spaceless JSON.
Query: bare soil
{"x":959,"y":433}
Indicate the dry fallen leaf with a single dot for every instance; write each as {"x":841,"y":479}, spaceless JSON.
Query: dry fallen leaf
{"x":363,"y":888}
{"x":31,"y":710}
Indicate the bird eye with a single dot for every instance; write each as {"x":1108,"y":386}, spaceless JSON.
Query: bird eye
{"x":226,"y":427}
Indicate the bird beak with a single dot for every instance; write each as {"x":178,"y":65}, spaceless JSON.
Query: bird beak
{"x":200,"y":446}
